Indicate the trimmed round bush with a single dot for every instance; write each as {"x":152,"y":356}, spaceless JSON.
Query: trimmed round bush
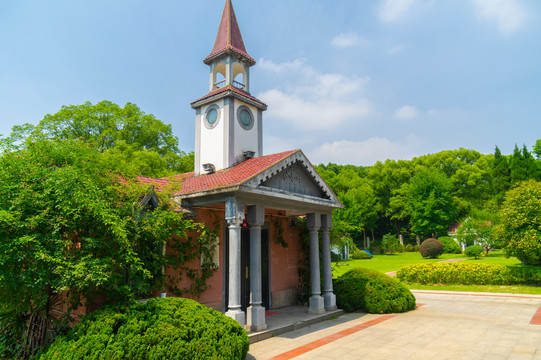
{"x":361,"y":255}
{"x":431,"y":248}
{"x":473,"y":251}
{"x":170,"y":328}
{"x":450,"y":246}
{"x":373,"y":292}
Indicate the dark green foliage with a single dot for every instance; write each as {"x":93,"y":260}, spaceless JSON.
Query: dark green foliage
{"x":391,"y":244}
{"x":172,"y":328}
{"x":71,"y":225}
{"x":450,"y":246}
{"x":430,"y":202}
{"x":473,"y":251}
{"x":372,"y":291}
{"x":409,"y":248}
{"x":469,"y":274}
{"x":520,"y":228}
{"x":431,"y":249}
{"x":357,"y":255}
{"x":501,"y":179}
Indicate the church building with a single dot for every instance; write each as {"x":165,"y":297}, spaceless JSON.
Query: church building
{"x":253,"y":196}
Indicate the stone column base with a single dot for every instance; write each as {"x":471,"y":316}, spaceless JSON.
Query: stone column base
{"x":330,"y":301}
{"x":237,"y":315}
{"x":255,"y":318}
{"x":317,"y":305}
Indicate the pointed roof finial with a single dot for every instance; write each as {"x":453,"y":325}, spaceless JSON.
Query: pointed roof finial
{"x":229,"y":38}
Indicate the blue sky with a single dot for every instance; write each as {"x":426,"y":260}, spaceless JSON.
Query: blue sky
{"x":349,"y":82}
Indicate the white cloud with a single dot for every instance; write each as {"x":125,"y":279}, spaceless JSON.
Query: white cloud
{"x":316,"y":101}
{"x":406,"y":113}
{"x":281,"y":67}
{"x":510,"y":15}
{"x":348,"y":40}
{"x":393,"y":10}
{"x":396,"y":49}
{"x":367,"y":152}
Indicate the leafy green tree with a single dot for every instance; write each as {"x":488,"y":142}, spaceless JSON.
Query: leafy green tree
{"x":72,"y":228}
{"x":520,"y":227}
{"x":500,"y":174}
{"x":476,"y":231}
{"x":141,"y":142}
{"x":537,"y":149}
{"x":391,"y":244}
{"x":430,"y":202}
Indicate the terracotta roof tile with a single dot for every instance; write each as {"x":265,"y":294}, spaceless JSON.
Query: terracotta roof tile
{"x":233,"y":89}
{"x":236,"y":175}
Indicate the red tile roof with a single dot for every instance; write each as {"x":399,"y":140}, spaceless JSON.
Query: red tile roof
{"x":233,"y":89}
{"x":229,"y":38}
{"x":231,"y":177}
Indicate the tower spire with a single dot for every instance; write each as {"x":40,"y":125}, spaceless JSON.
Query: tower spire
{"x":229,"y":39}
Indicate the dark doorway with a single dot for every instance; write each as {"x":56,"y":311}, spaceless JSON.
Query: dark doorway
{"x":245,"y":269}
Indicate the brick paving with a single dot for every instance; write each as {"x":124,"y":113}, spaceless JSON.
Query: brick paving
{"x":449,"y":325}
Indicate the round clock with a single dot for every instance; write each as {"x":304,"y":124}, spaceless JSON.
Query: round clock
{"x":245,"y":117}
{"x":212,"y":116}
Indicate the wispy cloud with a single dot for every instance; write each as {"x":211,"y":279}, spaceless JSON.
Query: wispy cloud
{"x":316,"y":101}
{"x":393,"y":10}
{"x":510,"y":15}
{"x":269,"y":65}
{"x":366,"y":152}
{"x":349,"y":40}
{"x":406,"y":113}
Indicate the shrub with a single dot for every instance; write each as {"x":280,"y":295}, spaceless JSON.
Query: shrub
{"x":473,"y":251}
{"x":469,"y":274}
{"x":360,"y":255}
{"x":431,"y":248}
{"x":409,"y":248}
{"x":416,"y":248}
{"x":372,"y":291}
{"x":171,"y":328}
{"x":450,"y":246}
{"x":391,"y":244}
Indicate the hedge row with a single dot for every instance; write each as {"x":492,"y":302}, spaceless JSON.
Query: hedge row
{"x":172,"y":328}
{"x":469,"y":274}
{"x":372,"y":291}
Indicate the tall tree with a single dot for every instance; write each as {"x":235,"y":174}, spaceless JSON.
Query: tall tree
{"x":71,"y":226}
{"x":140,"y":141}
{"x":501,"y":174}
{"x":430,"y":202}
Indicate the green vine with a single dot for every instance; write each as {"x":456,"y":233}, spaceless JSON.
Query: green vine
{"x":279,"y":239}
{"x":189,"y":249}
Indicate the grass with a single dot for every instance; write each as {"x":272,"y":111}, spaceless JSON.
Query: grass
{"x":388,"y":263}
{"x":392,"y":262}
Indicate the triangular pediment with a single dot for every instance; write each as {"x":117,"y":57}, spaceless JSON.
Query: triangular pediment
{"x":295,"y":179}
{"x":295,"y":176}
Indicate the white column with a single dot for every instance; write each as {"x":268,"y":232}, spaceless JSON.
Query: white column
{"x":255,"y":314}
{"x":328,"y":297}
{"x":234,"y":213}
{"x":316,"y":300}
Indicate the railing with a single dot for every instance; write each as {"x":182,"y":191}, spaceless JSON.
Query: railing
{"x":238,"y":85}
{"x":221,"y":84}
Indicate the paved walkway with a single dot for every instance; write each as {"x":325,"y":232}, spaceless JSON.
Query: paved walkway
{"x":446,"y":325}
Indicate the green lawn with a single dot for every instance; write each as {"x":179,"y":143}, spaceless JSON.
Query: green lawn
{"x":388,"y":263}
{"x":393,"y":262}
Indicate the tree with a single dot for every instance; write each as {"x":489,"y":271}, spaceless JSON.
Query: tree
{"x":391,"y":244}
{"x":141,"y":142}
{"x":476,"y":231}
{"x":430,"y":203}
{"x":537,"y":149}
{"x":500,"y":175}
{"x":520,"y":228}
{"x":71,"y":227}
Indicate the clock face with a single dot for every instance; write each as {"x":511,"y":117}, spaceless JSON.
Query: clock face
{"x":212,"y":116}
{"x":245,"y":117}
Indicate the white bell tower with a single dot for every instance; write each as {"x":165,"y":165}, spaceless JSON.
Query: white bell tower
{"x":228,"y":121}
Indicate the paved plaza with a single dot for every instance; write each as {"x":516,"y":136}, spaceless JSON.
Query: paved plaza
{"x":446,"y":325}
